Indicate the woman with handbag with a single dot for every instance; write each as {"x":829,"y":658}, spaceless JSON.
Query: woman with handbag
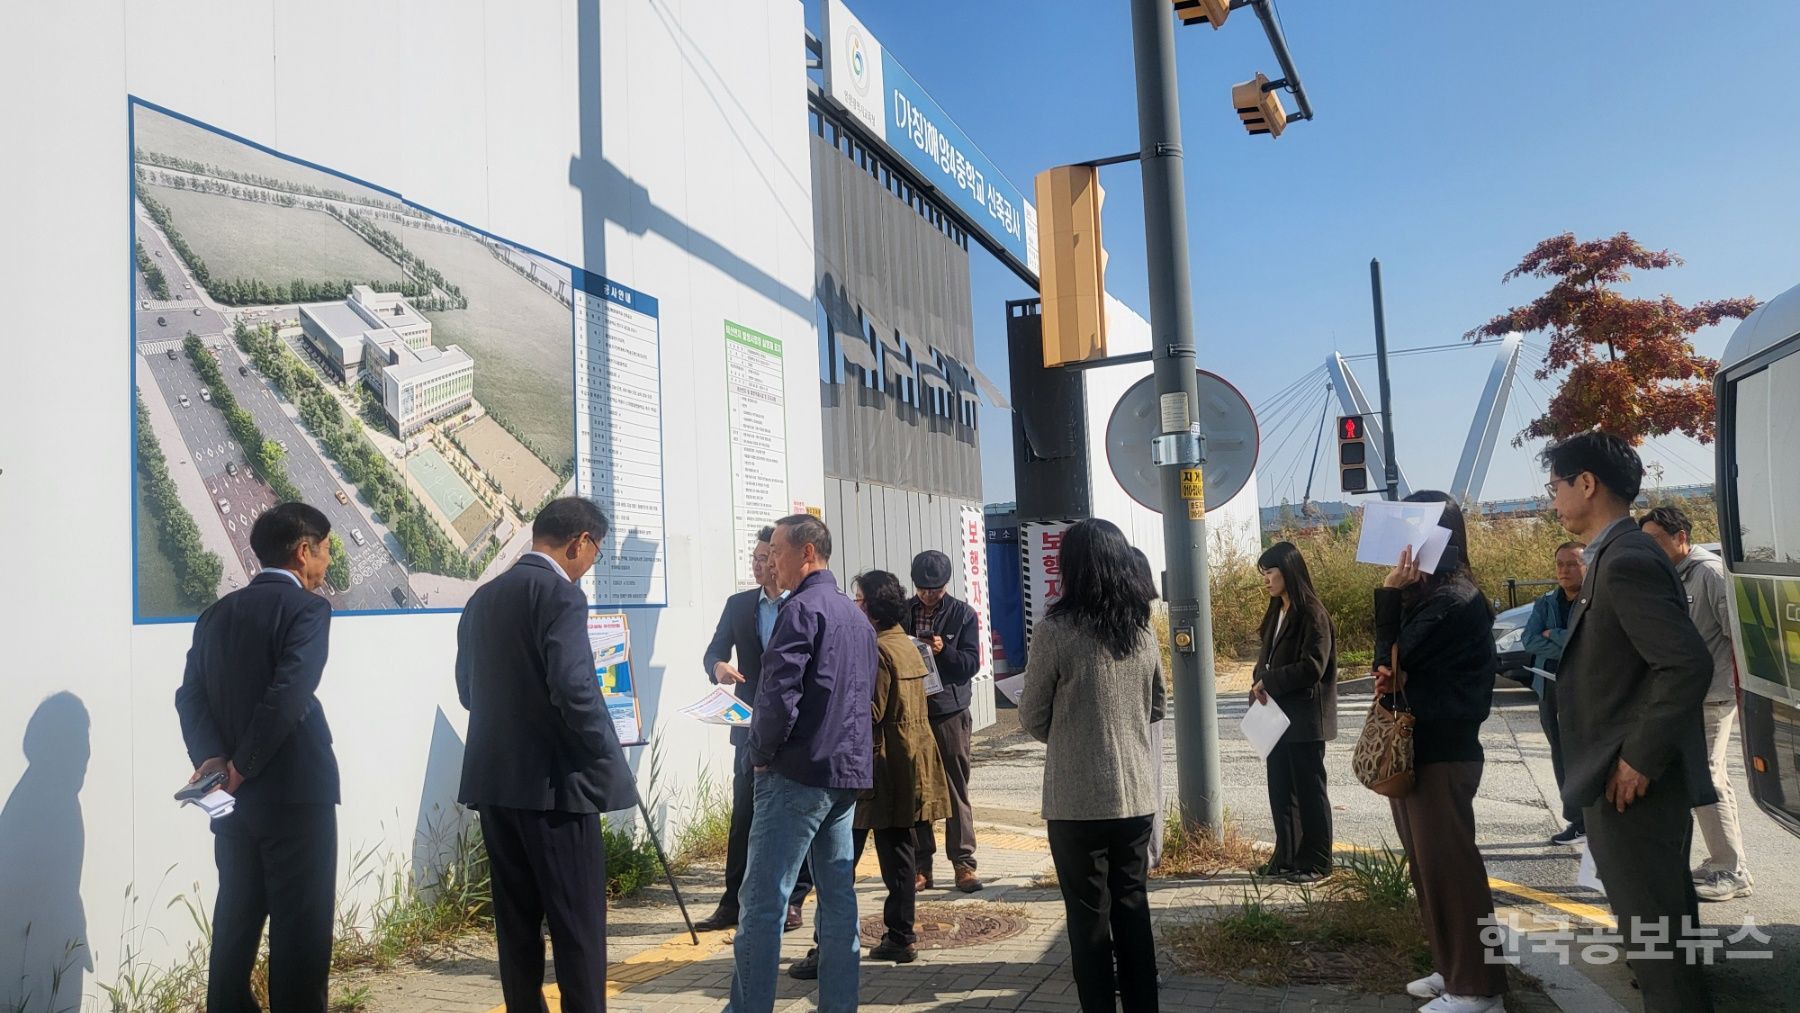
{"x":1296,"y":670}
{"x":1438,"y":629}
{"x":1093,"y":686}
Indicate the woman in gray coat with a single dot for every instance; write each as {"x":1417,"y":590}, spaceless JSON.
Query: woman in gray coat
{"x":1093,"y":685}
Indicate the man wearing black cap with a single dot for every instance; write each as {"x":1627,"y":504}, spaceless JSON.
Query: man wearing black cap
{"x":951,"y":629}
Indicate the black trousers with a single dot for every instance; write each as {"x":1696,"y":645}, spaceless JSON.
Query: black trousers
{"x":1103,"y":866}
{"x":894,"y":849}
{"x":1547,"y":721}
{"x":1641,"y":855}
{"x":1302,"y":809}
{"x":548,"y":866}
{"x":737,"y":845}
{"x":276,"y":863}
{"x":953,"y":734}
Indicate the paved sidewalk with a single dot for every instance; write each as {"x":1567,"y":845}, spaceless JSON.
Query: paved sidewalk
{"x":656,"y":967}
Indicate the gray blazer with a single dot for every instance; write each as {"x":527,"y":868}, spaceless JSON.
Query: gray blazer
{"x":1093,"y":711}
{"x":1634,"y":675}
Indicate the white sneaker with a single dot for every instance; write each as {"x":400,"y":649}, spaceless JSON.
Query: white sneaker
{"x":1724,"y":886}
{"x":1464,"y":1004}
{"x":1701,"y":873}
{"x":1429,"y":987}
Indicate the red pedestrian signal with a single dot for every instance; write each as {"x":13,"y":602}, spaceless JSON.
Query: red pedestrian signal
{"x":1353,"y":454}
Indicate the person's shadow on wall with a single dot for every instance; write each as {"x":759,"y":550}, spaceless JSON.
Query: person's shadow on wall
{"x":44,"y":951}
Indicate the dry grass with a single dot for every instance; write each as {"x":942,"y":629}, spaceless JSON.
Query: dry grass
{"x":1360,"y":929}
{"x":1201,"y":854}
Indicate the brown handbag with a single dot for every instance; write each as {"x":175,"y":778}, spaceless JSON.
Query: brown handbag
{"x":1383,"y":760}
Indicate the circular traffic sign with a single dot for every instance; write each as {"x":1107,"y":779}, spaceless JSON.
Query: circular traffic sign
{"x":1226,"y":420}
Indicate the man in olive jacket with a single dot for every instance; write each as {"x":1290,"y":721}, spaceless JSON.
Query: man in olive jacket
{"x":949,"y":626}
{"x":1634,"y":676}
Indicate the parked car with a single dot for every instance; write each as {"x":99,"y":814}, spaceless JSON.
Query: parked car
{"x":399,"y":596}
{"x":356,"y":535}
{"x":343,"y":498}
{"x":171,"y":355}
{"x":1509,"y":643}
{"x":231,"y":467}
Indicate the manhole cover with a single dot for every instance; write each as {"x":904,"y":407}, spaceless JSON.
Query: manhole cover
{"x":950,"y":926}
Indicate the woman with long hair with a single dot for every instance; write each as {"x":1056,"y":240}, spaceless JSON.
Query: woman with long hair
{"x":1442,"y":626}
{"x":1093,"y":685}
{"x":1296,"y":670}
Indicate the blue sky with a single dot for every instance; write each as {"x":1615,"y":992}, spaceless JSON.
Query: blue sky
{"x":1450,"y":138}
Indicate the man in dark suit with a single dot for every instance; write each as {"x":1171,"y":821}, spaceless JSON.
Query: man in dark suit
{"x":952,"y":630}
{"x":248,"y":711}
{"x":543,"y":760}
{"x":744,"y":628}
{"x":1633,"y":679}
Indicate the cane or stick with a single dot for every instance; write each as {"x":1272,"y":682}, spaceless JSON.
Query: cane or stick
{"x":650,"y":829}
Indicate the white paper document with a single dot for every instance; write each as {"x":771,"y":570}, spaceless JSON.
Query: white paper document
{"x":720,"y":707}
{"x":1389,"y":527}
{"x":1264,"y":724}
{"x":1589,"y":876}
{"x":216,"y":804}
{"x":1013,"y":686}
{"x":1429,"y":554}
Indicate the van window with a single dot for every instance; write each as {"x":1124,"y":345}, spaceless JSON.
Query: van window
{"x":1765,"y":484}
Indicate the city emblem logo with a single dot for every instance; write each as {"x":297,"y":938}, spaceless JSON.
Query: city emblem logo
{"x":859,"y":60}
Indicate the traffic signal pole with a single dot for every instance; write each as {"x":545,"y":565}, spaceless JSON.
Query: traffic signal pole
{"x":1179,"y":449}
{"x":1391,"y":471}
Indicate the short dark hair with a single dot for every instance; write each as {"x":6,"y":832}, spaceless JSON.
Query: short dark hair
{"x":1672,"y":519}
{"x":1609,"y":458}
{"x":277,"y":534}
{"x":884,"y":598}
{"x":766,"y":533}
{"x":805,"y":529}
{"x":566,"y":519}
{"x":1572,"y":543}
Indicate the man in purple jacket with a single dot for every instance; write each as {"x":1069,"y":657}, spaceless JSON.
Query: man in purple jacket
{"x":811,"y":746}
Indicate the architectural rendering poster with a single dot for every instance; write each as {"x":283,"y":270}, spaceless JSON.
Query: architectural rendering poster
{"x":298,"y":335}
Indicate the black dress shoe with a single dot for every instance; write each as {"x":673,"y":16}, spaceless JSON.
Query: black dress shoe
{"x":899,"y":953}
{"x":807,"y":967}
{"x":1270,"y":870}
{"x":794,"y":920}
{"x":720,"y":919}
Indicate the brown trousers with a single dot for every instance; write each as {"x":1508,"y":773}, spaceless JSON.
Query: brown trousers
{"x":1436,"y":822}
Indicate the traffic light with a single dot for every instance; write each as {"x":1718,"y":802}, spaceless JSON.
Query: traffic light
{"x":1353,"y":454}
{"x":1071,"y":264}
{"x":1259,"y":106}
{"x":1203,"y":12}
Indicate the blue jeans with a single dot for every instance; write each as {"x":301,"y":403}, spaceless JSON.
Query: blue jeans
{"x":794,"y":821}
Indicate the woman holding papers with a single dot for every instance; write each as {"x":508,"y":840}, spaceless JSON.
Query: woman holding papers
{"x":1296,"y":671}
{"x":1092,"y":687}
{"x":1443,"y":628}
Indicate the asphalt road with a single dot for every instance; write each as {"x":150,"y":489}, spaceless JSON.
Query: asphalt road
{"x":1515,"y":818}
{"x":186,"y":311}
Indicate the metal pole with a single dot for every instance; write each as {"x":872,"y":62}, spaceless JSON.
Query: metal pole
{"x":1391,"y":471}
{"x":650,"y":830}
{"x":1172,"y":340}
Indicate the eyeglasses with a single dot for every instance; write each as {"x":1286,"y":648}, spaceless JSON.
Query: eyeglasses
{"x":1550,"y":486}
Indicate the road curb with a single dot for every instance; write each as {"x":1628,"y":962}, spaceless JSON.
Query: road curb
{"x":1565,"y":986}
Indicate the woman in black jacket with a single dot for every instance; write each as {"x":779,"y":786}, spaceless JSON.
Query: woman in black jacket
{"x":1297,"y":671}
{"x":1444,"y":628}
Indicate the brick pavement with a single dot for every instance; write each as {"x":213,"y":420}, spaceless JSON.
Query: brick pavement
{"x":655,"y":968}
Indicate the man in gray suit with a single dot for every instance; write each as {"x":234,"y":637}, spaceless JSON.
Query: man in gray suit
{"x":543,"y":760}
{"x":1634,"y":675}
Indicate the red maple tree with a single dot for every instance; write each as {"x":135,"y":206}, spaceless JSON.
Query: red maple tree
{"x":1632,"y":369}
